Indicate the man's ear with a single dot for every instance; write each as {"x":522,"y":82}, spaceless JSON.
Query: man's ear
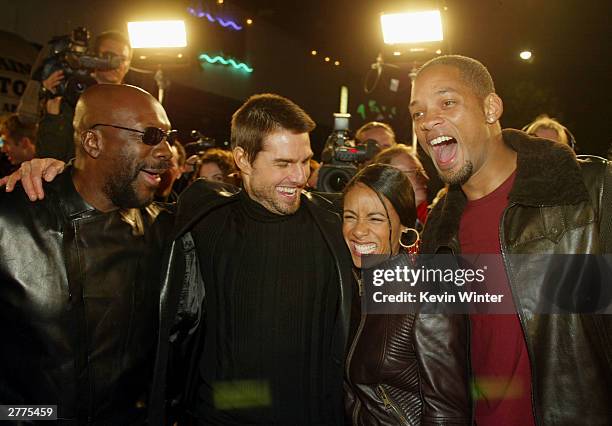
{"x":242,"y":161}
{"x":493,"y":107}
{"x":91,"y":143}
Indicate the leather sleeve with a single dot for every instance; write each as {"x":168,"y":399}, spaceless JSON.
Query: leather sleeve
{"x":442,"y":354}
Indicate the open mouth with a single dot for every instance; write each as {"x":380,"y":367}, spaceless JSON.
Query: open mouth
{"x":288,"y":192}
{"x":361,"y":249}
{"x":445,"y":150}
{"x":152,"y":176}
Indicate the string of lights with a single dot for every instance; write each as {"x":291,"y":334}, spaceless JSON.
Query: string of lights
{"x":199,"y":13}
{"x":220,"y":59}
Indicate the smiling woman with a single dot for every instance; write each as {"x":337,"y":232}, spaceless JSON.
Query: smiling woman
{"x":400,"y":369}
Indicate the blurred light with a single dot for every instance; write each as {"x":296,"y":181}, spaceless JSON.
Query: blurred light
{"x":438,"y":52}
{"x":143,"y":57}
{"x":313,"y":52}
{"x":180,"y":55}
{"x":151,"y":34}
{"x":199,"y":13}
{"x":249,"y":21}
{"x":337,"y":63}
{"x":525,"y":55}
{"x":219,"y":1}
{"x":327,"y":59}
{"x":222,"y":60}
{"x":397,"y":53}
{"x":415,"y":27}
{"x":417,"y":49}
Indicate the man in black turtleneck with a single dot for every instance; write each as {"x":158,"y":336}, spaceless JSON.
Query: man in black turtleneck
{"x":259,"y":285}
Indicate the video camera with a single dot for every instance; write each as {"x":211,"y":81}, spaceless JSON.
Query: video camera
{"x":69,"y":53}
{"x":341,"y":156}
{"x":201,"y":144}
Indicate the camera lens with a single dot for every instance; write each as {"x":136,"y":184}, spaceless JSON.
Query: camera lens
{"x":333,"y":178}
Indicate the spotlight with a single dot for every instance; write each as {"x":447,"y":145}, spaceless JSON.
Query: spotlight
{"x":412,"y":27}
{"x":249,"y":21}
{"x":525,"y":55}
{"x":327,"y":59}
{"x":156,"y":34}
{"x":313,"y":52}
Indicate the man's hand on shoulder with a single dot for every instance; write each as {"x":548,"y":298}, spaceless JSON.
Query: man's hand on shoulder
{"x":31,"y":173}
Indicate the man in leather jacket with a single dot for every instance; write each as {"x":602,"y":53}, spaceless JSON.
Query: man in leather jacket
{"x":513,"y":195}
{"x":78,"y":293}
{"x":257,"y":286}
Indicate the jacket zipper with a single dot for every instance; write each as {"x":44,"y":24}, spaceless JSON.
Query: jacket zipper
{"x":519,"y":312}
{"x":348,"y":364}
{"x":389,"y":404}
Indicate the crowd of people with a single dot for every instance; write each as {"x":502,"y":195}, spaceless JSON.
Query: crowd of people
{"x":139,"y":286}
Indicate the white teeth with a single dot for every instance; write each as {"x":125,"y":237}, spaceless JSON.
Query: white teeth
{"x":439,"y":140}
{"x":364,"y":248}
{"x":286,"y":190}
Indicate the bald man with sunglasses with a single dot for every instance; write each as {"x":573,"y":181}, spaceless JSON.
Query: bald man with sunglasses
{"x":78,"y":300}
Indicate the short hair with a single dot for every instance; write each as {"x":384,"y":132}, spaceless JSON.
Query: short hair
{"x":374,"y":125}
{"x":262,"y":115}
{"x":15,"y":129}
{"x":388,"y":182}
{"x":387,"y":155}
{"x":545,"y":122}
{"x":473,"y":73}
{"x":223,"y":159}
{"x":117,"y":36}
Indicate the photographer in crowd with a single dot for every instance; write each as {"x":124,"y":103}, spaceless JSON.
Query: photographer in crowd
{"x":55,"y":132}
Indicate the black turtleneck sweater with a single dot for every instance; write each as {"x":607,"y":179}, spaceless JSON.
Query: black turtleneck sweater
{"x":271,"y":305}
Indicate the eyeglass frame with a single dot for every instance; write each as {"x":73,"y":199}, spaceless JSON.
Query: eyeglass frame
{"x":169,"y":136}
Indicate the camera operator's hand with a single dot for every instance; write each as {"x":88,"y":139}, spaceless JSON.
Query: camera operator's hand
{"x":54,"y":104}
{"x":53,"y":81}
{"x":31,"y":174}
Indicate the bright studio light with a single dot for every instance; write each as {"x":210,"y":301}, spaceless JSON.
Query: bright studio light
{"x":414,"y":27}
{"x":153,"y":34}
{"x":525,"y":55}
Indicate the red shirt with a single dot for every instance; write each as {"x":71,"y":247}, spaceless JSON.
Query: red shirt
{"x":500,"y":362}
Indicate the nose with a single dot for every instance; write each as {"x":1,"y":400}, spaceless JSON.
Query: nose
{"x":430,"y":120}
{"x":360,"y":229}
{"x":299,"y":174}
{"x":162,"y":150}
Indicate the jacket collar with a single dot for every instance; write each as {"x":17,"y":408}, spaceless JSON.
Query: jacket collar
{"x":71,"y":202}
{"x":547,"y":174}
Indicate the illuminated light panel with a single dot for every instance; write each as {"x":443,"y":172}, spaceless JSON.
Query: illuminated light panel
{"x":155,"y":34}
{"x":222,"y":60}
{"x":415,"y":27}
{"x":199,"y":13}
{"x":525,"y":55}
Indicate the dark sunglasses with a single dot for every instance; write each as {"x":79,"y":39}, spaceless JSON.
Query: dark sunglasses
{"x":150,"y":135}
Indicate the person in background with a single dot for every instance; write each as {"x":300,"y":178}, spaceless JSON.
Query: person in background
{"x":55,"y":131}
{"x":403,"y":158}
{"x":18,"y":139}
{"x":314,"y":174}
{"x":401,"y":369}
{"x":549,"y":128}
{"x":382,"y":133}
{"x":218,"y":165}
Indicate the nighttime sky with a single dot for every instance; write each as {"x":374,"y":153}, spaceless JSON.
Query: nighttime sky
{"x":569,"y":77}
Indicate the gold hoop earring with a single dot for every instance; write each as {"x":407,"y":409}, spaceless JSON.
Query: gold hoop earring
{"x":415,"y":244}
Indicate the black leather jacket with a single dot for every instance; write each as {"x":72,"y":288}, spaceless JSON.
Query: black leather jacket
{"x":78,"y":306}
{"x":555,"y":207}
{"x":407,"y":369}
{"x":183,"y":293}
